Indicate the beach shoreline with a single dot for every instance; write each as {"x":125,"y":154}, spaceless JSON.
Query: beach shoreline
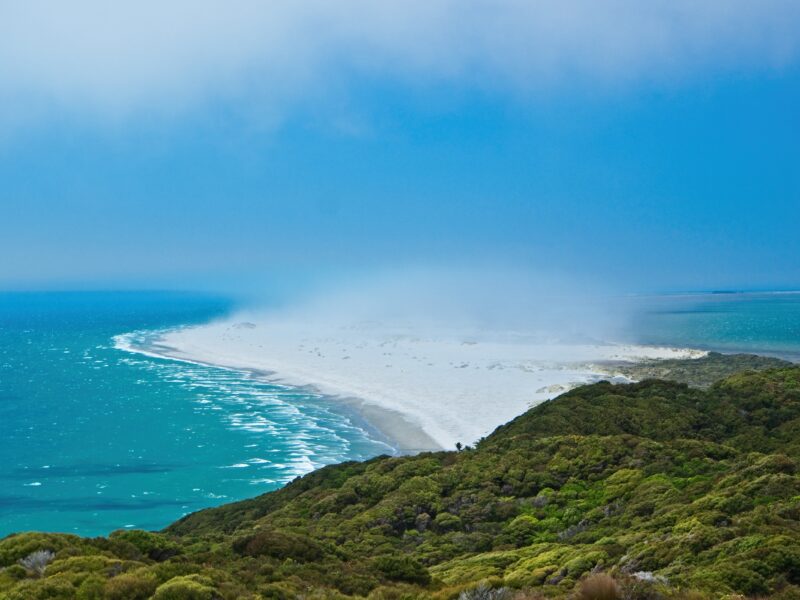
{"x":387,"y":426}
{"x":418,"y":392}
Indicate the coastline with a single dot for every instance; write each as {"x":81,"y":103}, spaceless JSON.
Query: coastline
{"x":419,"y":392}
{"x":386,"y":425}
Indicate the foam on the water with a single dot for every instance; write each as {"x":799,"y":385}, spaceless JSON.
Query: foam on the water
{"x":308,"y":430}
{"x":99,"y":435}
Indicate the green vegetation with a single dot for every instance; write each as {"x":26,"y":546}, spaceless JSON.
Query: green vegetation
{"x":648,"y":490}
{"x":698,"y":372}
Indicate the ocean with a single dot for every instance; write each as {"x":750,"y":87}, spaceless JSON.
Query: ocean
{"x":97,"y":438}
{"x":758,"y":322}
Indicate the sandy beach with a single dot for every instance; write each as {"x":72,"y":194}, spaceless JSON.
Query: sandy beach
{"x":423,"y":391}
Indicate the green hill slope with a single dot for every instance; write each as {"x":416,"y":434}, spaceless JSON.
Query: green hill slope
{"x":665,"y":487}
{"x":700,"y":372}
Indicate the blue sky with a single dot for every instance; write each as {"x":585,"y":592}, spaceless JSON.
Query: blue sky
{"x":608,"y":156}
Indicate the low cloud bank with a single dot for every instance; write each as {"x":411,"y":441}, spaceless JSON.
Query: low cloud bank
{"x":130,"y":57}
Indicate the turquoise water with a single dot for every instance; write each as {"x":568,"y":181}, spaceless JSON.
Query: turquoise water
{"x":95,"y":438}
{"x":764,"y":323}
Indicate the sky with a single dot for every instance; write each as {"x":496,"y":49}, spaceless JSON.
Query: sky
{"x":651,"y":146}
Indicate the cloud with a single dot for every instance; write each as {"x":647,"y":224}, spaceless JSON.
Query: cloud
{"x":142,"y":56}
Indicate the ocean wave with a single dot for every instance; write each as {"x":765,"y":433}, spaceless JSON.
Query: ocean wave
{"x":297,"y":427}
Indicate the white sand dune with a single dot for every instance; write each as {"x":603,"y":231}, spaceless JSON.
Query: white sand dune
{"x":454,"y":386}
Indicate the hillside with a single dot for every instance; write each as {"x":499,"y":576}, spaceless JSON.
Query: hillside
{"x":700,"y":372}
{"x":665,"y":487}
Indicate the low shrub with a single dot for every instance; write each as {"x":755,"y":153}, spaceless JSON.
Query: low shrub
{"x":402,"y":568}
{"x":52,"y":588}
{"x":191,"y":587}
{"x":92,"y":588}
{"x":279,"y":544}
{"x":154,"y":546}
{"x":36,"y":562}
{"x":131,"y":586}
{"x":599,"y":586}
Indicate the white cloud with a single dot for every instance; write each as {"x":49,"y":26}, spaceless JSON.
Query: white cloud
{"x":125,"y":57}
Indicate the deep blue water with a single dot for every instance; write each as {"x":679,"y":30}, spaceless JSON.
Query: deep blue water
{"x":95,"y":438}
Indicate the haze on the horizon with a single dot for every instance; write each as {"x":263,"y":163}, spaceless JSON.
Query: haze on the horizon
{"x":448,"y":300}
{"x":652,"y":146}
